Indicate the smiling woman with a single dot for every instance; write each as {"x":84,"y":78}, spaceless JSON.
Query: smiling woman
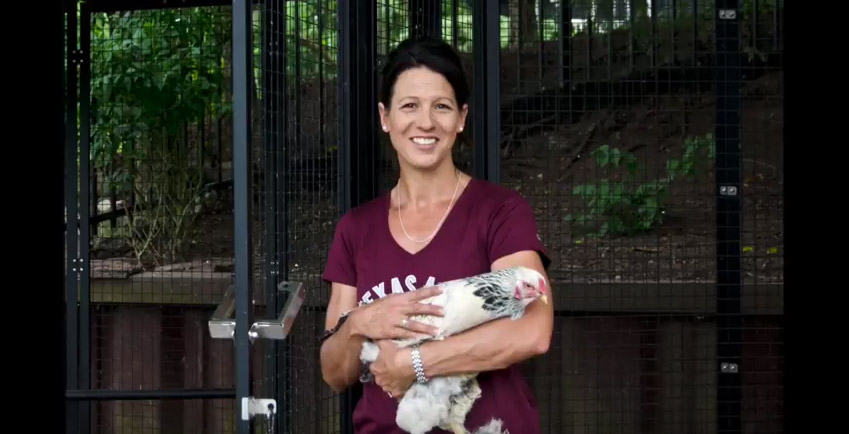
{"x":437,"y":224}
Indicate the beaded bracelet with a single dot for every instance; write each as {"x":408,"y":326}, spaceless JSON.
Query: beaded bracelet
{"x":417,"y":365}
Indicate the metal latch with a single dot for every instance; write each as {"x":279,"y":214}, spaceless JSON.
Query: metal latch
{"x":279,"y":328}
{"x":222,"y":325}
{"x":728,"y":368}
{"x":253,"y":406}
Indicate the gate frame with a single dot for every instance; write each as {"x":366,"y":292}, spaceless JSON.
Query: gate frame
{"x":78,"y":393}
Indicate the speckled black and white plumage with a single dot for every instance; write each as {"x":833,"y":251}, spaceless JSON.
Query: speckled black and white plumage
{"x":445,"y":401}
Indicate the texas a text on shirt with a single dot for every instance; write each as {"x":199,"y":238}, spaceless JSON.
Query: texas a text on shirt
{"x":379,"y":290}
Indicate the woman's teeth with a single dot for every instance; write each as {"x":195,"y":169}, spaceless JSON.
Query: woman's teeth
{"x":423,"y":141}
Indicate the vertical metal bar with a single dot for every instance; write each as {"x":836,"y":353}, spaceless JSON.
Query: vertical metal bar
{"x":487,"y":113}
{"x":588,"y":69}
{"x":654,"y":43}
{"x":242,"y":197}
{"x":358,"y":147}
{"x":281,"y":148}
{"x":728,"y":216}
{"x":566,"y":54}
{"x":776,"y":26}
{"x":609,"y":37}
{"x":674,"y":20}
{"x":273,"y":103}
{"x":541,"y":35}
{"x":632,"y":38}
{"x":85,"y":225}
{"x":455,"y":25}
{"x":344,"y":58}
{"x":755,"y":13}
{"x":424,"y":18}
{"x":71,"y":220}
{"x":695,"y":60}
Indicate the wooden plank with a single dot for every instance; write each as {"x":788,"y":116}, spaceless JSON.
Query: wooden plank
{"x":182,"y":287}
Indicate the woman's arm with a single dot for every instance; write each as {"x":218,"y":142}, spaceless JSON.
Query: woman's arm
{"x":490,"y":346}
{"x":340,"y":362}
{"x":497,"y":344}
{"x":340,"y":353}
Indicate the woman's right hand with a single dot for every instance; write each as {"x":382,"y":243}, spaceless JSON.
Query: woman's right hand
{"x":388,"y":318}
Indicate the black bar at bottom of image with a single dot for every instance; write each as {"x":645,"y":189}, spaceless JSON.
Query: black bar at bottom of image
{"x":104,"y":395}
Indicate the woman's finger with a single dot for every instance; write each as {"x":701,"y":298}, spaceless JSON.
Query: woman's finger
{"x":421,"y":294}
{"x":423,"y":309}
{"x":425,"y":329}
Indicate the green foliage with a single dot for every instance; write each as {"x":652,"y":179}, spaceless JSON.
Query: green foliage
{"x":626,"y":207}
{"x":156,"y":75}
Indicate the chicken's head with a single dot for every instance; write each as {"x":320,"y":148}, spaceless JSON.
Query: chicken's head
{"x":529,"y":286}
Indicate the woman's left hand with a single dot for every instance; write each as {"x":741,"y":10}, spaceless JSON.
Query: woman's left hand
{"x":393,"y":369}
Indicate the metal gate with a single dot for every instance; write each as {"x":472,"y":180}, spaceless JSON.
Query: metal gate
{"x":218,"y":142}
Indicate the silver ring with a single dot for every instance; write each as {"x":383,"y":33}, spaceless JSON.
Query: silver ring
{"x":404,"y":322}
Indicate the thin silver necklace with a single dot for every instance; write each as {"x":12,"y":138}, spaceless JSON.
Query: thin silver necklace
{"x":441,"y":221}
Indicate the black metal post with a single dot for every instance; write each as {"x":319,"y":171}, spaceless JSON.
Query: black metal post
{"x":86,"y":201}
{"x":358,"y":150}
{"x":425,"y":18}
{"x":72,"y":223}
{"x":565,"y":56}
{"x":242,"y":198}
{"x":358,"y":147}
{"x":486,"y":113}
{"x":275,"y":148}
{"x":728,"y":262}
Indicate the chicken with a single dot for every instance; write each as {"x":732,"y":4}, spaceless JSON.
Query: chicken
{"x":445,"y":401}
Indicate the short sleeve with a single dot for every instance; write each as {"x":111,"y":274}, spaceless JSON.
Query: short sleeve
{"x":340,"y":258}
{"x":513,"y":228}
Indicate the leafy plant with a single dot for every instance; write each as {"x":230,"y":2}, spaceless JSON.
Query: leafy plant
{"x":626,"y":207}
{"x":156,"y":75}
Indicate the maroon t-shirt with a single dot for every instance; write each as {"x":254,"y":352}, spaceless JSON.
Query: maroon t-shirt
{"x":487,"y":222}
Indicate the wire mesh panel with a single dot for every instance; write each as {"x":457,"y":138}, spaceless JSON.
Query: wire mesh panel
{"x":456,"y":18}
{"x":393,"y":26}
{"x":156,"y":227}
{"x":295,"y":144}
{"x":762,"y":190}
{"x":608,"y":127}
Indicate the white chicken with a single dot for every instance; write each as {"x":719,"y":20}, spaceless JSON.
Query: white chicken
{"x":445,"y":401}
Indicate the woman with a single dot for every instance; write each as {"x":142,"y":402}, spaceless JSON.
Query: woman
{"x":436,"y":224}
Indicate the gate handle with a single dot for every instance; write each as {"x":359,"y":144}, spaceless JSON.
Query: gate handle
{"x":223,"y":326}
{"x":279,"y":328}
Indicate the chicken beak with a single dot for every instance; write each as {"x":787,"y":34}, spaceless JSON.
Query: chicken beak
{"x":544,"y":298}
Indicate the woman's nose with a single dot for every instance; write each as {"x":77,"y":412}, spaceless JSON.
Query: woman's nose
{"x":425,"y":120}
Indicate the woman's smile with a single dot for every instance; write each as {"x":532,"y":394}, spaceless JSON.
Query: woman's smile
{"x":425,"y":143}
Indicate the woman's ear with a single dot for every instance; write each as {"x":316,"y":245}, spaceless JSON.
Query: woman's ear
{"x":384,"y":123}
{"x":463,"y":114}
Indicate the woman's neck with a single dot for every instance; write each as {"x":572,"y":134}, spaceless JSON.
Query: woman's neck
{"x":421,"y":189}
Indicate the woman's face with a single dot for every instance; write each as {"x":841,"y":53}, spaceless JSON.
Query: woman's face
{"x":423,"y":118}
